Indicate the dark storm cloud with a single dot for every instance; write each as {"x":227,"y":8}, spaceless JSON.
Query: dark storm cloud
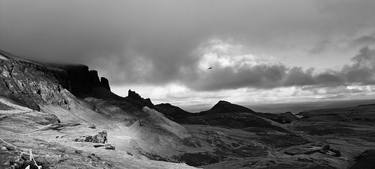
{"x":261,"y":76}
{"x":154,"y":42}
{"x":363,"y":69}
{"x":360,"y":72}
{"x":123,"y":39}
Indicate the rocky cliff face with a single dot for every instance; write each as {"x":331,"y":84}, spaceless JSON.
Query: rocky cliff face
{"x":31,"y":83}
{"x":81,"y":81}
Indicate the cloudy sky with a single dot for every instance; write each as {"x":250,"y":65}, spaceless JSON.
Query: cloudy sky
{"x":260,"y":51}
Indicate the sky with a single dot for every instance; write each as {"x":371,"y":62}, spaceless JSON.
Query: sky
{"x":196,"y":52}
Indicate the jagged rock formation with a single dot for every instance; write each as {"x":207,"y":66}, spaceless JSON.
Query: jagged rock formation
{"x":104,"y":83}
{"x":31,"y":83}
{"x":138,"y":101}
{"x":81,"y":81}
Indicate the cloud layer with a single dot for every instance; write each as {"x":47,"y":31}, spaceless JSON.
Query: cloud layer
{"x":238,"y":70}
{"x":260,"y":44}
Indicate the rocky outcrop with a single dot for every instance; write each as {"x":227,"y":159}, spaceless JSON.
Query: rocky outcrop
{"x":105,"y":83}
{"x":31,"y":84}
{"x":81,"y":81}
{"x":101,"y":137}
{"x":135,"y":99}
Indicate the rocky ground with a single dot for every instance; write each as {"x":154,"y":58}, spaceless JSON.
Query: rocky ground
{"x":65,"y":116}
{"x":58,"y":146}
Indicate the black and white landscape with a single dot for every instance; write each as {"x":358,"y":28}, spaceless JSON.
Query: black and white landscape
{"x":253,"y":84}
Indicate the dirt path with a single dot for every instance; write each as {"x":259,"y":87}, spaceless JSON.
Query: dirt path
{"x":16,"y":109}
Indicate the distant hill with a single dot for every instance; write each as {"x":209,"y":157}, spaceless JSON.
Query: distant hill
{"x":304,"y":106}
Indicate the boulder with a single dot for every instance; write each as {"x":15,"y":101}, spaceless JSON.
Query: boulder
{"x":109,"y":147}
{"x":101,"y":137}
{"x":92,"y":126}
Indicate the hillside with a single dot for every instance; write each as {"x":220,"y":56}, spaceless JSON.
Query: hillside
{"x":58,"y":104}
